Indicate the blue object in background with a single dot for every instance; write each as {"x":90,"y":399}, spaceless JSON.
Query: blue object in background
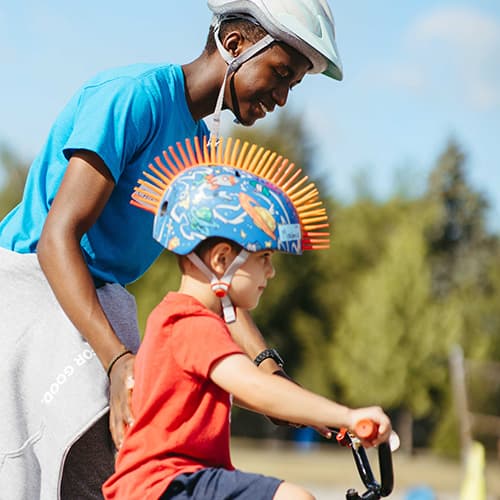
{"x":304,"y":438}
{"x":420,"y":493}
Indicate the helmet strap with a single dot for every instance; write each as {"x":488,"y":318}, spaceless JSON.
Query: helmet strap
{"x":234,"y":100}
{"x":233,"y":64}
{"x":220,"y":286}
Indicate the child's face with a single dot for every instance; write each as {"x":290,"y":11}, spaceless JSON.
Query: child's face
{"x":263,"y":82}
{"x":251,"y":278}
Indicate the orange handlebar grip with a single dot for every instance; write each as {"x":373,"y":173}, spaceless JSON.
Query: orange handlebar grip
{"x":366,"y":429}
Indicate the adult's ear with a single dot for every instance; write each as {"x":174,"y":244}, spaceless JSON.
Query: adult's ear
{"x":234,"y":43}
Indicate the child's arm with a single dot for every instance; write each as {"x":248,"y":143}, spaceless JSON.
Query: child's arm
{"x":281,"y":398}
{"x":246,"y":334}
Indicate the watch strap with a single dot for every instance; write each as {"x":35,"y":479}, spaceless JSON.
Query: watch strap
{"x":269,"y":353}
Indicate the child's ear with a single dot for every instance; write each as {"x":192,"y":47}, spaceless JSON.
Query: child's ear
{"x":221,"y":256}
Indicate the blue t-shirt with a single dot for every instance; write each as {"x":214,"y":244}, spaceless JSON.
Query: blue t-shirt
{"x":127,"y":116}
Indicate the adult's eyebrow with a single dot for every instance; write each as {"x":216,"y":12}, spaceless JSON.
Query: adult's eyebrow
{"x":292,"y":74}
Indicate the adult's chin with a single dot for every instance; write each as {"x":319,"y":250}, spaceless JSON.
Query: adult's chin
{"x":249,"y":115}
{"x":248,"y":121}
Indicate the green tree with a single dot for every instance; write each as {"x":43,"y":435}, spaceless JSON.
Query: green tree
{"x":489,"y":310}
{"x":13,"y":172}
{"x":464,"y":259}
{"x":391,"y":345}
{"x":457,"y":237}
{"x":359,"y":238}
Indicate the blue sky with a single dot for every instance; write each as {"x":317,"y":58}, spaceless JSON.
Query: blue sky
{"x":416,"y":74}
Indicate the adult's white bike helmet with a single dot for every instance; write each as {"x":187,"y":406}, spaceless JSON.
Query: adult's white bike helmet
{"x":305,"y":25}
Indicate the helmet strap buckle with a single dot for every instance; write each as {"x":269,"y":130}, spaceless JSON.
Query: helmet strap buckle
{"x":220,"y":286}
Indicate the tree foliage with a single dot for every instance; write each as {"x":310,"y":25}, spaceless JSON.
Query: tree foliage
{"x":457,"y":237}
{"x":391,"y":343}
{"x":14,"y":172}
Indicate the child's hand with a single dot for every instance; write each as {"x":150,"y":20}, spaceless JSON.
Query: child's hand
{"x":381,"y":420}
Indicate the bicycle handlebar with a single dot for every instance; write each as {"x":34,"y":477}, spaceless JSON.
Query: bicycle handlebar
{"x":368,"y":430}
{"x":376,"y":490}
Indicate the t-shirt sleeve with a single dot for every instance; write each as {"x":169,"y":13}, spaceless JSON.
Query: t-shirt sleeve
{"x":198,"y":342}
{"x":112,"y":120}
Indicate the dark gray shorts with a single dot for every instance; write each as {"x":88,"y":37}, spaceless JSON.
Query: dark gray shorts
{"x":221,"y":484}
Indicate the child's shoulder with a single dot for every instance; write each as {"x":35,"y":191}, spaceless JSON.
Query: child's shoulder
{"x":179,"y":311}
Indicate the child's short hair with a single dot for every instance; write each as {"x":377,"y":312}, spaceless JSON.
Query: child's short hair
{"x":205,"y":246}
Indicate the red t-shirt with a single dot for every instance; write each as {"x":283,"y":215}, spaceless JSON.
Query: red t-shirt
{"x":181,"y":416}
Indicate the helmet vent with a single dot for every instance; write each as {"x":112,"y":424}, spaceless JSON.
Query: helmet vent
{"x":163,"y":209}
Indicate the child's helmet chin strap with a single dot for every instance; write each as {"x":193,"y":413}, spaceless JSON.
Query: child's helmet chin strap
{"x":233,"y":63}
{"x":221,"y":286}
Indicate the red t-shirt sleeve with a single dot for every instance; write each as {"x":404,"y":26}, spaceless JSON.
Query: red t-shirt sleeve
{"x":213,"y":342}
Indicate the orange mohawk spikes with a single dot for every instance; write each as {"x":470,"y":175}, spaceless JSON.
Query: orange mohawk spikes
{"x":253,"y":159}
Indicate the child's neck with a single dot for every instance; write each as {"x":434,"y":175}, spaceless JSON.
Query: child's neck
{"x":202,"y":292}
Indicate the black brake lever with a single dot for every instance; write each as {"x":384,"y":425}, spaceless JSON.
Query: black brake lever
{"x":375,"y":490}
{"x":386,"y":469}
{"x":364,"y":468}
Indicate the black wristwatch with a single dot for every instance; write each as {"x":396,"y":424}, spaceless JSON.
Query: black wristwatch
{"x":269,"y":353}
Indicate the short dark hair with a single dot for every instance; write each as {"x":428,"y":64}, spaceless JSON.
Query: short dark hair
{"x":206,"y":245}
{"x":249,"y":30}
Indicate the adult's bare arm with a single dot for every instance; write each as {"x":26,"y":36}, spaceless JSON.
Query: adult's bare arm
{"x":246,"y":334}
{"x":84,"y":191}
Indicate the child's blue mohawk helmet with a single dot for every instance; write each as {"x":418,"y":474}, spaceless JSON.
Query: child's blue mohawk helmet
{"x":250,"y":196}
{"x":208,"y":201}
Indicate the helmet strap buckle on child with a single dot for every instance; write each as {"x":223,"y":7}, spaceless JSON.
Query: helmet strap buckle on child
{"x":220,"y":286}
